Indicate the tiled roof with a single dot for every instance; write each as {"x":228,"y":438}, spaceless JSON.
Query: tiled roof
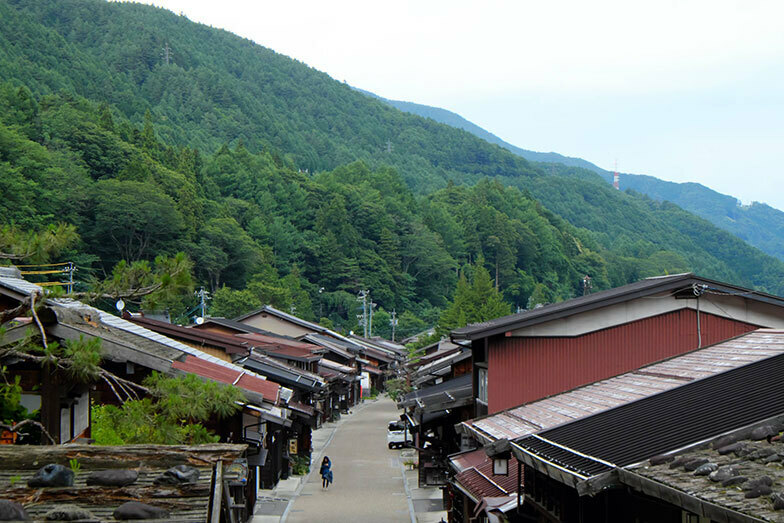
{"x":475,"y":475}
{"x":600,"y":299}
{"x":646,"y":381}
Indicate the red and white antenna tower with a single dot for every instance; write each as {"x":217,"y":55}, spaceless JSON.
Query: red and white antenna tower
{"x":616,"y":178}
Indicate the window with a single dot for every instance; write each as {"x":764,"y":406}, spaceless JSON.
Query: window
{"x":481,"y":390}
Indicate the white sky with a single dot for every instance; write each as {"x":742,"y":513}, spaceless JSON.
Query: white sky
{"x":681,"y":90}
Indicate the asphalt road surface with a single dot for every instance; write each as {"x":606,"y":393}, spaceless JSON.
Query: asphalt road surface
{"x":368,"y":483}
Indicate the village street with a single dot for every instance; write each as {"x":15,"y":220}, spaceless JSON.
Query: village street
{"x":368,"y":482}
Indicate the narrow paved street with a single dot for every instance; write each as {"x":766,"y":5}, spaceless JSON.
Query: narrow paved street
{"x":368,"y":477}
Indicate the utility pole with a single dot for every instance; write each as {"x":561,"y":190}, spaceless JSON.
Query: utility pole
{"x":587,"y":285}
{"x":166,"y":53}
{"x":202,"y":302}
{"x":71,"y":268}
{"x":370,"y":320}
{"x":393,"y":322}
{"x":363,"y":297}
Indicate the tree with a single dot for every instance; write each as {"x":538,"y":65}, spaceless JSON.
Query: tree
{"x":134,"y":219}
{"x":474,"y":301}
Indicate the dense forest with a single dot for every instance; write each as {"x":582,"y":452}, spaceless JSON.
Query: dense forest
{"x":758,"y":224}
{"x":284,"y":186}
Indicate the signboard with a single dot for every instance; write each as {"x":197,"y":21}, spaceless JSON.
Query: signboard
{"x":292,"y":446}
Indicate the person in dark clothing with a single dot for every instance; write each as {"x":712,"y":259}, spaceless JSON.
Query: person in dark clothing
{"x":326,"y":472}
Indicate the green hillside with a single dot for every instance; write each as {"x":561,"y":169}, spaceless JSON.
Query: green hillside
{"x":278,"y":181}
{"x":758,"y":224}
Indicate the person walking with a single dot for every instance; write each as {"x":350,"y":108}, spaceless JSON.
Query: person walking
{"x":326,"y":472}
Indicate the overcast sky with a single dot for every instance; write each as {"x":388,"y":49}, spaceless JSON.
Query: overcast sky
{"x":681,"y":90}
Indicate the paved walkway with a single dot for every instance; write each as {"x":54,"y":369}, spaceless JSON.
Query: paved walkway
{"x":370,"y":482}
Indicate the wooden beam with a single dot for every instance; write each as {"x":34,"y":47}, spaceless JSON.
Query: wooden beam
{"x":217,"y":493}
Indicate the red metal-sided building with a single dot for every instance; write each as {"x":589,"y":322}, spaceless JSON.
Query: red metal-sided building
{"x":534,"y":354}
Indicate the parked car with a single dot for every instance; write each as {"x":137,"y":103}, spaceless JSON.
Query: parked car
{"x":397,"y":436}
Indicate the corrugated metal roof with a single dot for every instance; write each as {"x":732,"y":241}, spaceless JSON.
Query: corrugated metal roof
{"x":18,"y":285}
{"x":596,"y":300}
{"x":337,"y":366}
{"x":229,"y":344}
{"x":329,"y":344}
{"x":652,"y":379}
{"x":673,"y":419}
{"x":243,"y":379}
{"x":445,"y":395}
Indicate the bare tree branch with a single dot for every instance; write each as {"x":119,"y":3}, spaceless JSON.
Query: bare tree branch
{"x":16,"y":427}
{"x":17,"y":311}
{"x":37,"y":321}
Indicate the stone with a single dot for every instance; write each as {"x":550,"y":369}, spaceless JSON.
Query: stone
{"x":727,"y":440}
{"x":179,"y":475}
{"x":52,"y":475}
{"x":734,"y":480}
{"x":658,"y":460}
{"x":705,"y":469}
{"x":112,"y":478}
{"x":68,"y":513}
{"x":762,"y":432}
{"x":680,"y":461}
{"x":723,"y":473}
{"x":694,"y":464}
{"x":758,"y":490}
{"x":733,"y":447}
{"x":762,"y":480}
{"x":772,"y":458}
{"x":138,"y":510}
{"x":778,"y":501}
{"x":12,"y":511}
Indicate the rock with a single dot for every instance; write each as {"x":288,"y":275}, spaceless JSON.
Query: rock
{"x":734,"y":480}
{"x":725,"y":441}
{"x":680,"y":461}
{"x":733,"y":447}
{"x":762,"y":480}
{"x":112,"y":478}
{"x":52,"y":475}
{"x":694,"y":464}
{"x":762,"y":432}
{"x":179,"y":475}
{"x":705,"y":469}
{"x":758,"y":490}
{"x":723,"y":473}
{"x":68,"y":513}
{"x":658,"y":460}
{"x":778,"y":501}
{"x":12,"y":511}
{"x":137,"y":510}
{"x":772,"y":458}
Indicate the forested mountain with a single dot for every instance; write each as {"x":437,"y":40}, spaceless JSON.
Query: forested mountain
{"x":455,"y":120}
{"x":285,"y":186}
{"x":758,"y":224}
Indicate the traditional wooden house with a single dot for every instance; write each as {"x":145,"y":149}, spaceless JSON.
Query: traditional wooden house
{"x":445,"y":398}
{"x":129,"y":353}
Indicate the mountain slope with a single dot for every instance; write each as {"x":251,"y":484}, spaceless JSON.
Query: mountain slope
{"x":224,"y":89}
{"x":758,"y":224}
